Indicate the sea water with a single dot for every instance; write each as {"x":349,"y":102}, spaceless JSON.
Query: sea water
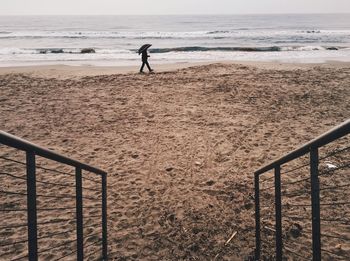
{"x":32,"y":40}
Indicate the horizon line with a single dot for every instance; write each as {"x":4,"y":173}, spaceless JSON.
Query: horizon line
{"x":284,"y":13}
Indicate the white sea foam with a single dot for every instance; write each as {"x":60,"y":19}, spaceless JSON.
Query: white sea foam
{"x":304,"y":48}
{"x":171,"y":34}
{"x":14,"y":50}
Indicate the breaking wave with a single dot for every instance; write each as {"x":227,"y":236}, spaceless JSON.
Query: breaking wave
{"x":244,"y":49}
{"x":14,"y":51}
{"x":42,"y":51}
{"x":218,"y":34}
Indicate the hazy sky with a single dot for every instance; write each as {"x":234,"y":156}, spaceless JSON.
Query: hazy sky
{"x":146,"y":7}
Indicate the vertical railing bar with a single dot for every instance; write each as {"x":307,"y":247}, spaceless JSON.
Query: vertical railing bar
{"x":315,"y":202}
{"x":278,"y":210}
{"x":104,"y":217}
{"x":79,"y":214}
{"x":31,"y":207}
{"x":257,"y":218}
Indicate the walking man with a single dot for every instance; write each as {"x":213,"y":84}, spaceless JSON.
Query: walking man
{"x":143,"y":51}
{"x":145,"y":61}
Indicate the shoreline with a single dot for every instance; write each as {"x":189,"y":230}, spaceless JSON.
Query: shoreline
{"x":70,"y":71}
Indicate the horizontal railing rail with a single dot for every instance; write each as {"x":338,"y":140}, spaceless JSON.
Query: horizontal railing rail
{"x":21,"y":144}
{"x":71,"y":201}
{"x":286,"y":203}
{"x":320,"y":141}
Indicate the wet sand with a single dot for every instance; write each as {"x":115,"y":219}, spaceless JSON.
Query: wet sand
{"x":69,"y":72}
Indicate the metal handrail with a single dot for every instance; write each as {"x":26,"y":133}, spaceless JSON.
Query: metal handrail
{"x":310,"y":148}
{"x":21,"y":144}
{"x":320,"y":141}
{"x":33,"y":150}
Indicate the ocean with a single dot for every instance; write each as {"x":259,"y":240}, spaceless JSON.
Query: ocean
{"x":303,"y":38}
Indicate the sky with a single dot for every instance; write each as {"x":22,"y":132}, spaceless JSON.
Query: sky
{"x":163,"y":7}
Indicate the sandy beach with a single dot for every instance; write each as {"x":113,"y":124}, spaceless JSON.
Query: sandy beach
{"x":68,"y":72}
{"x":180,"y":146}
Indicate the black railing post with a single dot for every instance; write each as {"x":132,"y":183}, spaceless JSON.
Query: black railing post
{"x":104,"y":217}
{"x":79,"y":214}
{"x":257,"y":218}
{"x":31,"y":207}
{"x":315,"y":202}
{"x":278,"y":209}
